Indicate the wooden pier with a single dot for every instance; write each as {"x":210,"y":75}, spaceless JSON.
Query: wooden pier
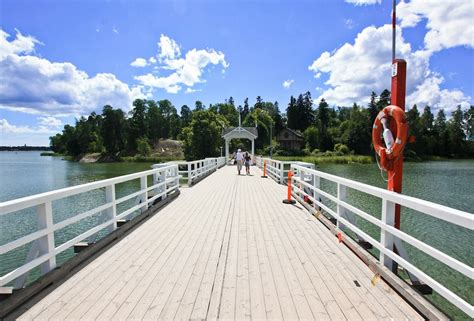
{"x":227,"y":248}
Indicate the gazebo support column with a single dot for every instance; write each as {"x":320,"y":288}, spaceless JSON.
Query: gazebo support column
{"x":227,"y":150}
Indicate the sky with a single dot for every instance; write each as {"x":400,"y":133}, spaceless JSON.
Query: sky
{"x":60,"y":60}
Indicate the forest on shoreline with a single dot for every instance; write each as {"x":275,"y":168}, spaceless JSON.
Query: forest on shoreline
{"x":327,"y":131}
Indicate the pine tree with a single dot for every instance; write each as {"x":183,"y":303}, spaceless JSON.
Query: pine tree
{"x":246,"y":109}
{"x":372,"y":107}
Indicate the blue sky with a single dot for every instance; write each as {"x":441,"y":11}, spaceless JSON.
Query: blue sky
{"x":63,"y":59}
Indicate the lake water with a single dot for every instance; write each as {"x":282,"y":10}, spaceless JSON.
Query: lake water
{"x":445,"y":182}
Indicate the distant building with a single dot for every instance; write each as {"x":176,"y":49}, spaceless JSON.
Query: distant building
{"x":290,"y":139}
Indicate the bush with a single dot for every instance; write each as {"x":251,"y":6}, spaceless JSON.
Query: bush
{"x":341,"y":149}
{"x":143,"y":147}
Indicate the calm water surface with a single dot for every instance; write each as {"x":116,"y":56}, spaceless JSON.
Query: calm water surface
{"x":450,"y":183}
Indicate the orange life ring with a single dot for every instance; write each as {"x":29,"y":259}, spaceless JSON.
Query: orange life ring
{"x":388,"y":155}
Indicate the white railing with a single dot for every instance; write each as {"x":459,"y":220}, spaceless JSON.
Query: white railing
{"x":221,"y":161}
{"x":278,"y":170}
{"x":193,"y":171}
{"x":165,"y":180}
{"x":306,"y":182}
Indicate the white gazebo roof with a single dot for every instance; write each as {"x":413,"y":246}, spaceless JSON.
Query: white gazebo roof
{"x":240,"y":132}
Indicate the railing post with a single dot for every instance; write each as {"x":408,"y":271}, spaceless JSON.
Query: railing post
{"x":46,"y":243}
{"x":111,"y":213}
{"x":282,"y":172}
{"x":388,"y":217}
{"x":163,"y":180}
{"x":144,"y":195}
{"x":341,"y":196}
{"x":189,"y":174}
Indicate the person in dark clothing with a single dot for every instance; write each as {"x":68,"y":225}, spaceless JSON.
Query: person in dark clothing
{"x":247,"y":160}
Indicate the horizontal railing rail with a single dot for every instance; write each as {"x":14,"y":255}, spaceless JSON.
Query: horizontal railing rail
{"x":306,"y":186}
{"x":193,"y":171}
{"x":278,"y":170}
{"x":43,"y":251}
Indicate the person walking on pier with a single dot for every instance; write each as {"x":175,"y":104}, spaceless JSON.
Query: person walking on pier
{"x":247,"y":160}
{"x":239,"y":157}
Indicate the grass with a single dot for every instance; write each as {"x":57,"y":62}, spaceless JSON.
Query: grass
{"x":344,"y":159}
{"x":149,"y":159}
{"x":50,"y":154}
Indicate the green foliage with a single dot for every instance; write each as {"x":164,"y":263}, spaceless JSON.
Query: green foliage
{"x":328,"y":132}
{"x":203,"y":137}
{"x":143,"y":146}
{"x":311,"y":136}
{"x":300,"y":113}
{"x":263,"y":120}
{"x":328,"y":158}
{"x":341,"y":148}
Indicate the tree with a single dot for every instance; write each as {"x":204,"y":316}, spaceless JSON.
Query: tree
{"x":143,"y":146}
{"x":154,"y":121}
{"x":113,"y":130}
{"x":456,"y":133}
{"x":203,"y":137}
{"x":259,"y":103}
{"x":199,"y":106}
{"x":323,"y":117}
{"x":263,"y":120}
{"x":311,"y":138}
{"x":469,"y":123}
{"x":229,"y":112}
{"x":56,"y":144}
{"x":372,"y":107}
{"x":246,"y":109}
{"x":137,"y":123}
{"x":441,"y":134}
{"x":300,"y":112}
{"x":292,"y":113}
{"x":414,"y":129}
{"x":427,"y":132}
{"x":186,"y":116}
{"x":384,"y":100}
{"x":356,"y":132}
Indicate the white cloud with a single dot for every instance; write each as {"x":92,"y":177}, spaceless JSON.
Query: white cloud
{"x":50,"y":121}
{"x":349,"y":23}
{"x":186,"y":70}
{"x":169,"y":49}
{"x":139,"y":62}
{"x":36,"y":85}
{"x":355,"y":70}
{"x":287,"y":83}
{"x":115,"y":30}
{"x":7,"y":128}
{"x":449,"y":23}
{"x":20,"y":45}
{"x":152,"y":60}
{"x":190,"y":90}
{"x":364,"y":2}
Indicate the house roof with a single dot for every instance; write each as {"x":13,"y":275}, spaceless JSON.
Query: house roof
{"x":296,"y":132}
{"x":251,"y":130}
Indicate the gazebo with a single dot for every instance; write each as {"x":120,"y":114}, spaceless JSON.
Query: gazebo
{"x":230,"y":133}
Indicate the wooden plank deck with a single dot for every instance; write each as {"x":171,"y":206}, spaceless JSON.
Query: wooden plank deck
{"x":227,"y":248}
